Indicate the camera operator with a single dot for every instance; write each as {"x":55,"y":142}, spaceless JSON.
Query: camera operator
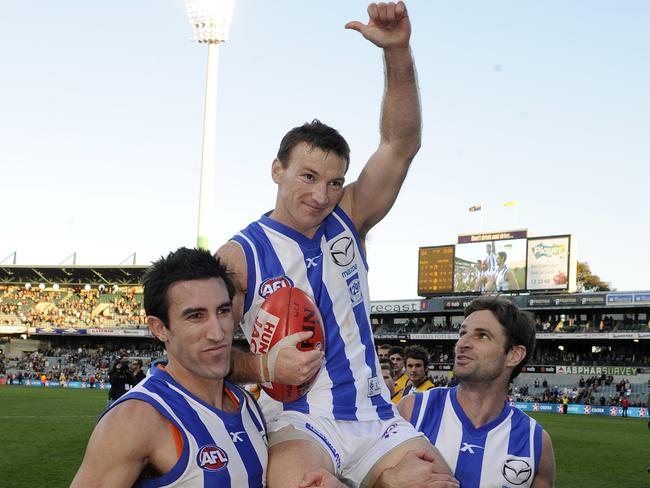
{"x":136,"y":371}
{"x":120,"y":378}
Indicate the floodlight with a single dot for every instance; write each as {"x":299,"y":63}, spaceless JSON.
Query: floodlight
{"x":210,"y":19}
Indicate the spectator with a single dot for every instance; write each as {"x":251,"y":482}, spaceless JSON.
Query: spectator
{"x":120,"y":378}
{"x":136,"y":371}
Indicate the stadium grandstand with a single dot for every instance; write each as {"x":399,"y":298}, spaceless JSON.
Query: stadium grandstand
{"x":72,"y":322}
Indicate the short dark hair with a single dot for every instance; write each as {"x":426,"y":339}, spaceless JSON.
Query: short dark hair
{"x":384,"y":346}
{"x":316,"y":134}
{"x":502,"y":254}
{"x":396,"y":350}
{"x":518,"y":325}
{"x":181,"y":265}
{"x":417,"y":352}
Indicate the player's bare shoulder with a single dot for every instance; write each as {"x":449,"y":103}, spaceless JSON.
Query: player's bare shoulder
{"x":134,"y":416}
{"x":405,"y":406}
{"x":232,"y":255}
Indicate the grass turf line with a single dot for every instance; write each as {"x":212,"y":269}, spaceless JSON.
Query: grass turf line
{"x":44,"y":434}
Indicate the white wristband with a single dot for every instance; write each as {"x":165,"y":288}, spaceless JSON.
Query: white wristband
{"x":262,"y":375}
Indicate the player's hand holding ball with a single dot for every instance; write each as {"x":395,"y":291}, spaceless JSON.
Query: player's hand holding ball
{"x":289,"y":334}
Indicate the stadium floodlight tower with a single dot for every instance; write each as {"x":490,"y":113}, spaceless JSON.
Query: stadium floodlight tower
{"x":210,"y":21}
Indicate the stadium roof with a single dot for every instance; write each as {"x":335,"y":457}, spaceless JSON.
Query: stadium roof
{"x":72,"y":275}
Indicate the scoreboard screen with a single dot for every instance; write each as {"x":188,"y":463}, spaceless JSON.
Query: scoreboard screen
{"x":502,"y":261}
{"x":435,"y":270}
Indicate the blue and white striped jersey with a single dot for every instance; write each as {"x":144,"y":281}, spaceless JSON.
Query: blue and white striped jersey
{"x":500,"y":280}
{"x":220,"y":449}
{"x":491,"y":260}
{"x":502,"y":453}
{"x":331,"y":268}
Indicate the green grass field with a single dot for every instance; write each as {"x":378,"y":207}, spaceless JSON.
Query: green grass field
{"x":43,"y":434}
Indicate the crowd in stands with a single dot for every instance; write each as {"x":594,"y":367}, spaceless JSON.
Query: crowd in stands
{"x":92,"y":364}
{"x":73,"y":307}
{"x":594,"y":390}
{"x":72,"y":364}
{"x":558,"y":324}
{"x":610,"y":358}
{"x":562,"y":324}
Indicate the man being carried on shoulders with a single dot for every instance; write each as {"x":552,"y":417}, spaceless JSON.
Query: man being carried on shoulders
{"x":314,"y":240}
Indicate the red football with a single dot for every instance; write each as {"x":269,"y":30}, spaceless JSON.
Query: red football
{"x":284,"y":312}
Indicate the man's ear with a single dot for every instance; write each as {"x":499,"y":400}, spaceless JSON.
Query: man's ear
{"x":516,"y":355}
{"x":276,"y":170}
{"x":157,"y":328}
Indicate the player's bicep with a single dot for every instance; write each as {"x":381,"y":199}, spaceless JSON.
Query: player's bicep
{"x":545,"y":477}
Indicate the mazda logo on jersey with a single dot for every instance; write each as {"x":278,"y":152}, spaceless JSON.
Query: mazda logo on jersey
{"x":274,"y":284}
{"x":212,"y":458}
{"x":516,"y":471}
{"x":342,"y":251}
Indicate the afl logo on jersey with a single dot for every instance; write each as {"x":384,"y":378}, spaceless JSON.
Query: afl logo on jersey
{"x":516,"y":471}
{"x":212,"y":458}
{"x":274,"y":284}
{"x":342,"y":251}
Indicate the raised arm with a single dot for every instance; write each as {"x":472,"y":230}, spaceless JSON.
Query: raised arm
{"x":369,"y":199}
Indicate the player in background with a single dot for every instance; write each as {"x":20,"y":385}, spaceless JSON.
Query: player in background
{"x":485,"y":441}
{"x":184,"y":424}
{"x":396,"y":357}
{"x":504,"y":278}
{"x":383,"y":352}
{"x":314,"y":239}
{"x":417,"y":369}
{"x":491,"y":259}
{"x":387,"y":373}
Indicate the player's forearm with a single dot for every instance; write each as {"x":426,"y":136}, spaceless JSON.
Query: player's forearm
{"x":245,"y":367}
{"x":401,"y":118}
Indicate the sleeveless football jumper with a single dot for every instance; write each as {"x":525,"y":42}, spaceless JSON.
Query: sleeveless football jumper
{"x":220,"y":449}
{"x":331,"y":268}
{"x":503,"y":453}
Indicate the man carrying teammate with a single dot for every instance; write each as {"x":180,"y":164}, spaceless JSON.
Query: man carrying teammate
{"x":314,"y":239}
{"x":485,"y":441}
{"x":184,"y":424}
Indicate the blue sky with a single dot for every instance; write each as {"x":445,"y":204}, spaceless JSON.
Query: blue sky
{"x":546,"y":103}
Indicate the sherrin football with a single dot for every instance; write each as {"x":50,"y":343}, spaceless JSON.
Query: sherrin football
{"x":284,"y":312}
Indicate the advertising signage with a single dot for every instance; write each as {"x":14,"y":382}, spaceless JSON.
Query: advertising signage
{"x":548,"y":265}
